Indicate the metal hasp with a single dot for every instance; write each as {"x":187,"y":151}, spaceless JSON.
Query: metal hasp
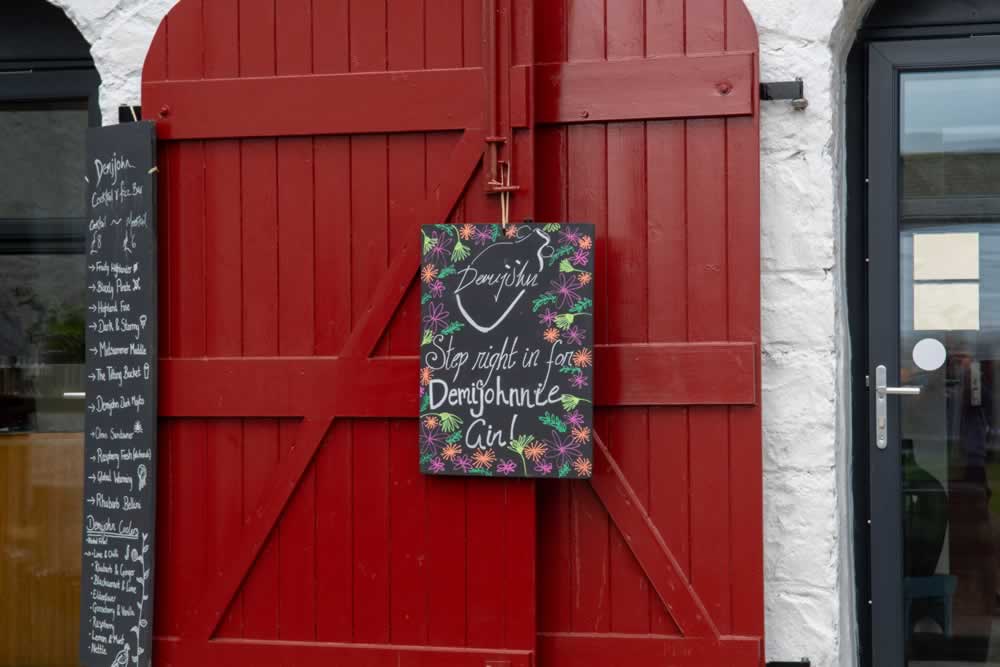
{"x":499,"y":152}
{"x":882,"y":392}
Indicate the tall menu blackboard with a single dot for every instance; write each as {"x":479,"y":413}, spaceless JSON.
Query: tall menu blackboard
{"x":506,"y":350}
{"x":119,"y":510}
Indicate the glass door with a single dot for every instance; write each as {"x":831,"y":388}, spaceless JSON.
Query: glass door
{"x":43,"y":122}
{"x":934,"y":295}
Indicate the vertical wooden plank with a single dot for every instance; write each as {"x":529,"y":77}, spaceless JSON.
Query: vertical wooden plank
{"x":296,"y":299}
{"x":368,"y":36}
{"x":186,"y":321}
{"x":469,"y":14}
{"x":523,"y":28}
{"x":369,"y":254}
{"x":520,"y":566}
{"x":585,"y":34}
{"x":224,"y":291}
{"x":746,"y":473}
{"x":555,"y":546}
{"x":260,"y":310}
{"x":626,"y":310}
{"x":626,"y":33}
{"x":707,"y":320}
{"x":626,"y":236}
{"x":664,"y":27}
{"x":589,"y":531}
{"x":446,"y":500}
{"x":550,"y":31}
{"x":334,"y":461}
{"x":705,"y":25}
{"x":669,"y":500}
{"x":369,"y":241}
{"x":590,"y":525}
{"x":555,"y":502}
{"x":408,"y":581}
{"x":155,"y":67}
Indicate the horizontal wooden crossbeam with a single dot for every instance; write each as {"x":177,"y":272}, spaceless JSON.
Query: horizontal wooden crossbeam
{"x":645,"y":89}
{"x":450,"y":99}
{"x":260,"y":653}
{"x":676,"y":374}
{"x":318,"y":104}
{"x":288,"y":387}
{"x":664,"y":374}
{"x":602,"y":650}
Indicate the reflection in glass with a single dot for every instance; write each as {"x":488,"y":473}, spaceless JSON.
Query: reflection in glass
{"x":950,"y":292}
{"x":42,"y":300}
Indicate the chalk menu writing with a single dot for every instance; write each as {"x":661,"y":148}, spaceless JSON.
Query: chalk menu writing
{"x":120,"y":421}
{"x":506,"y":350}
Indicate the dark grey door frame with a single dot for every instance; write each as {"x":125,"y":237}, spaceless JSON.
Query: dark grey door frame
{"x":886,"y":61}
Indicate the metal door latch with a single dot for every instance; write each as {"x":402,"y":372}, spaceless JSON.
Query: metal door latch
{"x":882,"y":392}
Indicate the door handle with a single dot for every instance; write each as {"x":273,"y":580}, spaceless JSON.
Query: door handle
{"x":882,"y":392}
{"x":901,"y":391}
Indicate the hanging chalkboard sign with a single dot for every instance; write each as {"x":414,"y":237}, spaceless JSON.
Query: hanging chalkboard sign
{"x":507,"y":354}
{"x":119,"y":503}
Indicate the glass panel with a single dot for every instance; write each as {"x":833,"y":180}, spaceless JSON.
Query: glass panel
{"x":44,"y":146}
{"x":42,"y":342}
{"x":950,"y":346}
{"x":42,"y":297}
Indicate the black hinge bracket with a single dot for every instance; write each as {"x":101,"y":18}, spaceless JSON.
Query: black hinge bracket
{"x":804,"y":662}
{"x":785,"y":90}
{"x":782,"y":90}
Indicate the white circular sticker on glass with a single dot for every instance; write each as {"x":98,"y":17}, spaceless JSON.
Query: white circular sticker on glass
{"x":929,"y":354}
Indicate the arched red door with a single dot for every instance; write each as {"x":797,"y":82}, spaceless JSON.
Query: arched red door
{"x":303,"y":143}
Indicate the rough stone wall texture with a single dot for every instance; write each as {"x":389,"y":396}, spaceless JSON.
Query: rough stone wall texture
{"x":807,"y":504}
{"x":809,"y":576}
{"x":119,"y":32}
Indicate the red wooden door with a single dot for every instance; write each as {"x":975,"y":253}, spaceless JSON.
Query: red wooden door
{"x":647,"y":117}
{"x":303,"y":143}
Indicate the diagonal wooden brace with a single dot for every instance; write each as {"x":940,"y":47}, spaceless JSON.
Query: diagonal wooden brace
{"x":645,"y":541}
{"x":207,"y":613}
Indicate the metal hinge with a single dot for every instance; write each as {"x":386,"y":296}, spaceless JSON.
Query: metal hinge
{"x":785,"y":90}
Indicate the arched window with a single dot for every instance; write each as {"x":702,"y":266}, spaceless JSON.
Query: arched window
{"x":48,"y":97}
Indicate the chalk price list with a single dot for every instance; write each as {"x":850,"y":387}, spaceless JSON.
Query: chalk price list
{"x":120,"y":414}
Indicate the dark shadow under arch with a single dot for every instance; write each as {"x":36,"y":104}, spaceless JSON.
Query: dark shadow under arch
{"x":39,"y":32}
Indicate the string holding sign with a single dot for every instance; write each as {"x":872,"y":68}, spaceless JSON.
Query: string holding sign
{"x":500,"y":178}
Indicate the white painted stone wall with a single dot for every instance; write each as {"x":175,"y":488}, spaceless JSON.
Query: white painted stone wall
{"x":809,"y":577}
{"x":807,"y":503}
